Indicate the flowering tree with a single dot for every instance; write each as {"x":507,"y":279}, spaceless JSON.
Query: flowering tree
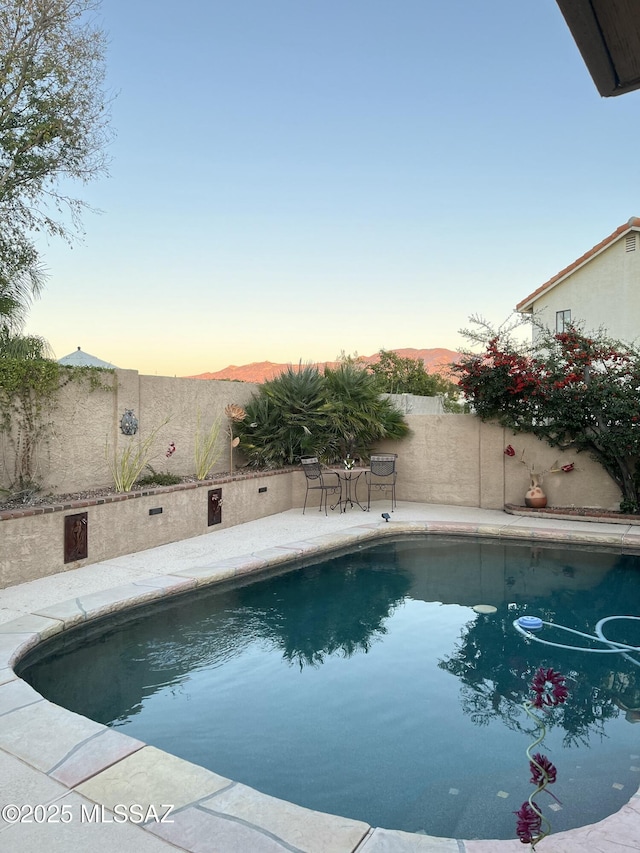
{"x":574,"y":391}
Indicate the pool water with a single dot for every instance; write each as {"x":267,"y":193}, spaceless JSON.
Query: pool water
{"x":366,"y":685}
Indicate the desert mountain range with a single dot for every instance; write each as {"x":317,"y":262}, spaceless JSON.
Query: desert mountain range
{"x":435,"y":360}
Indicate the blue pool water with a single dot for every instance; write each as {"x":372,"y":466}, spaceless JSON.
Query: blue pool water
{"x":367,"y":685}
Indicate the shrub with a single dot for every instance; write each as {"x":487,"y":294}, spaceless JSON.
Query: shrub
{"x":303,"y":412}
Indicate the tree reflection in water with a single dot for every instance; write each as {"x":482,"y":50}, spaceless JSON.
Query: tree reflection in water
{"x":333,"y":612}
{"x":272,"y":681}
{"x":495,"y":663}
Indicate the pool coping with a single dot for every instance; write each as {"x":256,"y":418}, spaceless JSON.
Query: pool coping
{"x":84,"y":765}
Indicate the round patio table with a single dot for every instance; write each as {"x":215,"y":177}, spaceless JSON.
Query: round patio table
{"x":349,"y":488}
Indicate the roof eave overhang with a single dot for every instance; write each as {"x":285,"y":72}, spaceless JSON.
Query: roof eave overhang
{"x":605,"y":46}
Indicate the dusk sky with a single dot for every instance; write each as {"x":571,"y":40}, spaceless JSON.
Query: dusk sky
{"x":294,"y":178}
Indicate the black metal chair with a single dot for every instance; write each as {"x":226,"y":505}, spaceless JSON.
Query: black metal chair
{"x":382,"y":476}
{"x":319,"y":479}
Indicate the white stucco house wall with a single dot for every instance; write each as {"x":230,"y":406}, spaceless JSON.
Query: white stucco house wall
{"x":600,"y":290}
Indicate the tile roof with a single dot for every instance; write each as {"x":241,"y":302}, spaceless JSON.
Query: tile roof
{"x":526,"y":304}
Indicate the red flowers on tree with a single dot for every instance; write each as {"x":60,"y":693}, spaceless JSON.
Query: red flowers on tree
{"x":576,"y":392}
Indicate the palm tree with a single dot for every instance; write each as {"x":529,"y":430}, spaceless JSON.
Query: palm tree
{"x":284,"y":419}
{"x":358,"y":416}
{"x":303,"y":412}
{"x":13,"y":345}
{"x":22,"y":276}
{"x":21,"y":281}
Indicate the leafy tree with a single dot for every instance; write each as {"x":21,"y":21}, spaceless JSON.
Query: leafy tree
{"x":572,"y":390}
{"x":53,"y":127}
{"x":305,"y":412}
{"x":397,"y":374}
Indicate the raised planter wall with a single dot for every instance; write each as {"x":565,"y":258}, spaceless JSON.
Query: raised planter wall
{"x":447,"y":459}
{"x":32,"y":542}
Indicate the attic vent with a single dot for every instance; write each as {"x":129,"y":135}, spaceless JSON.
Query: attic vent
{"x":630,"y":244}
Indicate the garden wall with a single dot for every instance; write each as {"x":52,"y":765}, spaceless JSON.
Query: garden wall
{"x":84,"y":428}
{"x":40,"y":541}
{"x":459,"y":460}
{"x":447,"y":459}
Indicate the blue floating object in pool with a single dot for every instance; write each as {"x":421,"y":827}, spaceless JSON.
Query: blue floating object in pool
{"x":530,"y":623}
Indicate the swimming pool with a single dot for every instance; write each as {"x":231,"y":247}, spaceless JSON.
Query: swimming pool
{"x":367,"y":685}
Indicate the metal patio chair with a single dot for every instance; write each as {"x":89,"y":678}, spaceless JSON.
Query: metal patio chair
{"x":319,"y":479}
{"x":382,"y":476}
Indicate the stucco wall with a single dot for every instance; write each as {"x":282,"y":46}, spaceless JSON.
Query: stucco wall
{"x":412,"y":404}
{"x":447,"y":459}
{"x":605,"y":293}
{"x":85,"y":428}
{"x":33,"y":546}
{"x":459,"y":460}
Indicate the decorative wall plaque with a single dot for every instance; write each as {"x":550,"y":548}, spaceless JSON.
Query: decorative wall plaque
{"x":214,"y":508}
{"x":76,"y":538}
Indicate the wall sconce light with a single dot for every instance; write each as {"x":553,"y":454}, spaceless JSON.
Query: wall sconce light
{"x":128,"y":423}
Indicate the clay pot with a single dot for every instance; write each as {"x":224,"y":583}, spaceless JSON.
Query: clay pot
{"x":535,"y":497}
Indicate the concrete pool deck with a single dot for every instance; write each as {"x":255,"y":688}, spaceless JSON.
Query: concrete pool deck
{"x":86,"y":778}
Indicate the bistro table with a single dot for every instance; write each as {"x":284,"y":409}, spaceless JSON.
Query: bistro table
{"x":349,"y":488}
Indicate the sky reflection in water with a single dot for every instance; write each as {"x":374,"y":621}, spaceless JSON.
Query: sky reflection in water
{"x":366,"y":685}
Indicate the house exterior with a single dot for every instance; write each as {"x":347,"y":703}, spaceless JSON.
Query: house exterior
{"x":600,"y":290}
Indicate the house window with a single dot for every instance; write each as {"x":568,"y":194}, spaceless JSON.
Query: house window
{"x":563,"y":318}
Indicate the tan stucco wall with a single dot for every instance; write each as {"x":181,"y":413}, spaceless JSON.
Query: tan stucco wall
{"x":605,"y":293}
{"x":447,"y":459}
{"x":33,"y":546}
{"x":459,"y":460}
{"x":85,"y":428}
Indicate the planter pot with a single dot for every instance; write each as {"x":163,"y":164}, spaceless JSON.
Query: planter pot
{"x":535,"y":498}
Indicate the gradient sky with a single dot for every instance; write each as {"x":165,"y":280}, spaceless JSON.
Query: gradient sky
{"x":295,"y":178}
